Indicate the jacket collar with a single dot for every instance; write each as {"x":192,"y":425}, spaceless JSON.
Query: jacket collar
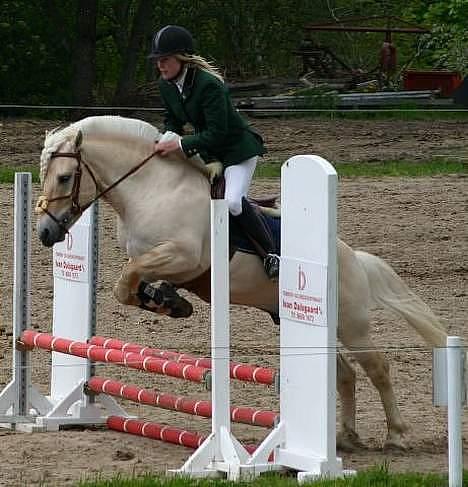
{"x":189,"y":82}
{"x":179,"y":82}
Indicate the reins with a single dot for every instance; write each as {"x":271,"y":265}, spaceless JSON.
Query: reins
{"x":43,"y":202}
{"x":125,"y":176}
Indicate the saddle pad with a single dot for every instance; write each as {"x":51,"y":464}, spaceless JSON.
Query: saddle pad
{"x":239,"y":240}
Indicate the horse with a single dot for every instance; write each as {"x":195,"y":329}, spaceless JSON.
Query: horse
{"x":163,"y":204}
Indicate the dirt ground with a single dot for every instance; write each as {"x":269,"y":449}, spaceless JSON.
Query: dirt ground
{"x":418,"y":225}
{"x":335,"y":139}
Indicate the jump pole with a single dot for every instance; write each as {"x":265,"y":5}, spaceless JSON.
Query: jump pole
{"x":239,"y":371}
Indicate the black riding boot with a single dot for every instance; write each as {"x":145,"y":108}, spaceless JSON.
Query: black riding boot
{"x":260,"y":237}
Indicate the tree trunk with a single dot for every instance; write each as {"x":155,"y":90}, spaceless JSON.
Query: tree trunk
{"x":84,"y":58}
{"x":140,"y":27}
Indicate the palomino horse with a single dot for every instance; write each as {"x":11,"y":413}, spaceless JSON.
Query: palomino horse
{"x":163,"y":208}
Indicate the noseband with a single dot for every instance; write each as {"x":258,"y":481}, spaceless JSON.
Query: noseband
{"x":74,"y":195}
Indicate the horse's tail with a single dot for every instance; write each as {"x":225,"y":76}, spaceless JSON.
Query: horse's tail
{"x":388,"y":290}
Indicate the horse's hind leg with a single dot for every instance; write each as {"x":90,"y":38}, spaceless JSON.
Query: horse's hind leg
{"x":377,"y":369}
{"x":353,"y":333}
{"x":347,"y":438}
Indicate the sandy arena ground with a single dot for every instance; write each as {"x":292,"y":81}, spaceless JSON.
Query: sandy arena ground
{"x":418,"y":225}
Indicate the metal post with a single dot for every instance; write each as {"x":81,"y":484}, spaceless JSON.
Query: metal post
{"x":94,"y":259}
{"x":454,"y":386}
{"x":21,"y":283}
{"x":16,"y":397}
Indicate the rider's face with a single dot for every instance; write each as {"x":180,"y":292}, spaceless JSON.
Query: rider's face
{"x":169,"y":66}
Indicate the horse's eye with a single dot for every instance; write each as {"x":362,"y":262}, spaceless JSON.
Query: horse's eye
{"x":64,"y":178}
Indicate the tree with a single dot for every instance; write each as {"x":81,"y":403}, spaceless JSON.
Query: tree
{"x":131,"y":50}
{"x":84,"y":55}
{"x":447,"y":46}
{"x":35,"y":40}
{"x":80,"y":51}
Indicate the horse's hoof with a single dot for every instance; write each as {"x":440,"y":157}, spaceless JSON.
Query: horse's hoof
{"x":395,"y":445}
{"x":349,"y":441}
{"x":183,"y":309}
{"x":179,"y":307}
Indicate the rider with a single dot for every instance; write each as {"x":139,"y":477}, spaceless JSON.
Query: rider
{"x":193,"y":90}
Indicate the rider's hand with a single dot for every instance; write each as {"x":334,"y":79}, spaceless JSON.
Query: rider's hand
{"x":171,"y":147}
{"x":214,"y":169}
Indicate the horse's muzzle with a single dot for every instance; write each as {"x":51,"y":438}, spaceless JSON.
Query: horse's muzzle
{"x":49,"y":231}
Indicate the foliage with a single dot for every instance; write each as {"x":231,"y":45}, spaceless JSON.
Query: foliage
{"x":447,"y":45}
{"x":245,"y":38}
{"x":35,"y":51}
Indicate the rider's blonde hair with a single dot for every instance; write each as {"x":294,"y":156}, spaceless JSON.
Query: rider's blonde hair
{"x":201,"y":63}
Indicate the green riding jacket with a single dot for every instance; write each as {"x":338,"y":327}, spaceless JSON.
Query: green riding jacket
{"x":219,"y":130}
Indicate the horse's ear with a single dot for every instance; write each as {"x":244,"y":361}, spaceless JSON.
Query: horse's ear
{"x":78,"y":139}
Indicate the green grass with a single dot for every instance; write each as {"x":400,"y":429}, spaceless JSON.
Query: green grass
{"x":403,"y":112}
{"x":375,"y":477}
{"x":352,"y":169}
{"x":7,"y":173}
{"x":380,"y":169}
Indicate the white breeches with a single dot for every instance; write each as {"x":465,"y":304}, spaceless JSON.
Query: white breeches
{"x":238,"y":178}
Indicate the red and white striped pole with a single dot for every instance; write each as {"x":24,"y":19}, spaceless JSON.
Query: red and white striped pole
{"x":156,"y":431}
{"x":173,"y":402}
{"x":31,"y":338}
{"x":239,"y":371}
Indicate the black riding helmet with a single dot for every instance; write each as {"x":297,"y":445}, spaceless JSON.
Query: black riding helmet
{"x":170,"y":40}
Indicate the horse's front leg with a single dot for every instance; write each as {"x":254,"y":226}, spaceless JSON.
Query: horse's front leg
{"x":169,"y":261}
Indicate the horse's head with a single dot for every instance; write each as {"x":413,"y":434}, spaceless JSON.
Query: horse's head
{"x":77,"y":169}
{"x":67,"y":186}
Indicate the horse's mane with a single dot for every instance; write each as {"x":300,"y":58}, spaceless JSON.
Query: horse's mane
{"x":104,"y":124}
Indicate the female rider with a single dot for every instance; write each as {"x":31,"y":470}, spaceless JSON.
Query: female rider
{"x":193,"y":91}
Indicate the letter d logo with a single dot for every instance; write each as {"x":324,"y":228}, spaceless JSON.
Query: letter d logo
{"x":301,"y":279}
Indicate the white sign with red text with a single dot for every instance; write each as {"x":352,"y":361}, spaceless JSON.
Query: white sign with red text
{"x":74,"y":307}
{"x":303,"y":291}
{"x":71,"y":255}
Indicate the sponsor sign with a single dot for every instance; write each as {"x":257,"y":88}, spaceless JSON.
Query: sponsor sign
{"x":303,"y":291}
{"x":70,"y":256}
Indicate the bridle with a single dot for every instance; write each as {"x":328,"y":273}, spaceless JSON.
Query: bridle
{"x":74,"y":195}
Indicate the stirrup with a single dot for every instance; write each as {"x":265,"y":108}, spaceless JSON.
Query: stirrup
{"x":271,"y":263}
